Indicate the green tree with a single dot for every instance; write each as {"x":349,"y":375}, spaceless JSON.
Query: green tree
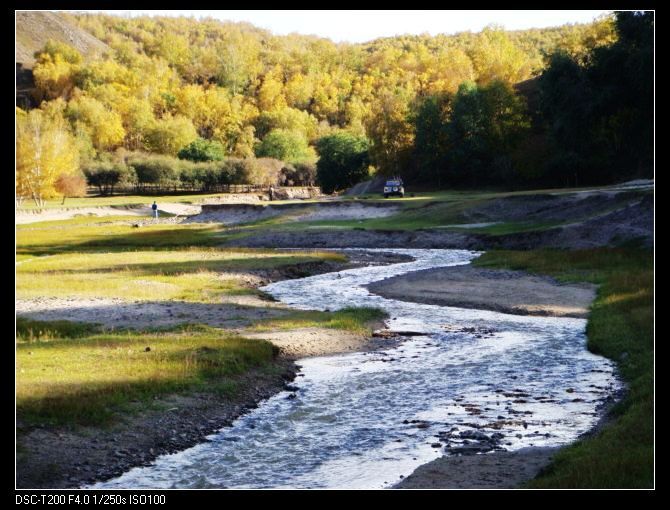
{"x":105,"y":175}
{"x":159,"y":171}
{"x":285,"y":145}
{"x":485,"y":128}
{"x":431,"y":144}
{"x":600,"y":111}
{"x":344,"y":160}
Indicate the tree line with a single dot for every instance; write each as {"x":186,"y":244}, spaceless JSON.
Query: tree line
{"x":442,"y":110}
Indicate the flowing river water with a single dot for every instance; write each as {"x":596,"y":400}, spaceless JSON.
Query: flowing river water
{"x":363,"y":420}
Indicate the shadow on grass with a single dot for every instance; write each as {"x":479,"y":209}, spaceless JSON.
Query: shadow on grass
{"x":115,"y":238}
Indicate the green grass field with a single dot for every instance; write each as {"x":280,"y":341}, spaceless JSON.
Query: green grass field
{"x":75,"y":374}
{"x":620,"y":327}
{"x":182,"y":274}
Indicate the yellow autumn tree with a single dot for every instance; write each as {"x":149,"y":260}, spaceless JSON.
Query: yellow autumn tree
{"x":56,"y":67}
{"x":45,"y":150}
{"x":270,"y":94}
{"x":170,"y":134}
{"x":496,"y":57}
{"x":104,"y":126}
{"x":390,"y":129}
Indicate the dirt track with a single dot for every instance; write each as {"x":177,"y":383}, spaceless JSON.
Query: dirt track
{"x":22,"y":217}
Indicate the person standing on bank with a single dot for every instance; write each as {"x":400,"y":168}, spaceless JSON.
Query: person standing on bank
{"x":272,"y":193}
{"x":154,"y":208}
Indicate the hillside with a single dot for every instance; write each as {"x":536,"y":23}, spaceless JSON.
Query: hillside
{"x":458,"y":110}
{"x":34,"y":29}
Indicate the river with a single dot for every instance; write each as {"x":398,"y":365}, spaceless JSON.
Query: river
{"x":363,"y":420}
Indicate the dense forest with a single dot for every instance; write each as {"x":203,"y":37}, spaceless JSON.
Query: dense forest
{"x":197,"y":104}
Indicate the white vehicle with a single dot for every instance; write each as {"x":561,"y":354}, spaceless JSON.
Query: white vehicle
{"x":394,"y":187}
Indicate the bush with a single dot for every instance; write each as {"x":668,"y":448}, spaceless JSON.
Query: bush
{"x":71,"y":185}
{"x":299,"y":174}
{"x":157,"y":170}
{"x":266,"y":171}
{"x":202,"y":150}
{"x":105,"y":175}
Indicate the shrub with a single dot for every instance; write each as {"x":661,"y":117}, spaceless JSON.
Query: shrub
{"x":105,"y":175}
{"x":298,"y":174}
{"x":157,"y":170}
{"x":264,"y":171}
{"x":202,"y":150}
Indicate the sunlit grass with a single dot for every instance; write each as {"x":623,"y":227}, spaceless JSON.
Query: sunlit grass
{"x":77,"y":374}
{"x":193,"y":274}
{"x":86,"y":378}
{"x":356,"y":320}
{"x":620,"y":327}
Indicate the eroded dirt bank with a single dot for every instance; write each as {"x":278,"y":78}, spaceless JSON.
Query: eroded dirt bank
{"x":503,"y":291}
{"x":233,"y":214}
{"x":581,"y":221}
{"x":25,"y":216}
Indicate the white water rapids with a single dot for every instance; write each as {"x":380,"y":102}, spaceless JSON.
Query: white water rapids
{"x":350,"y":422}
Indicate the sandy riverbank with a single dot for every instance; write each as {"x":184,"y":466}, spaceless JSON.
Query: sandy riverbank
{"x":495,"y":470}
{"x":489,"y":289}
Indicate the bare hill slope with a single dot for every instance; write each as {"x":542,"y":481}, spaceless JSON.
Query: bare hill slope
{"x":35,"y":28}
